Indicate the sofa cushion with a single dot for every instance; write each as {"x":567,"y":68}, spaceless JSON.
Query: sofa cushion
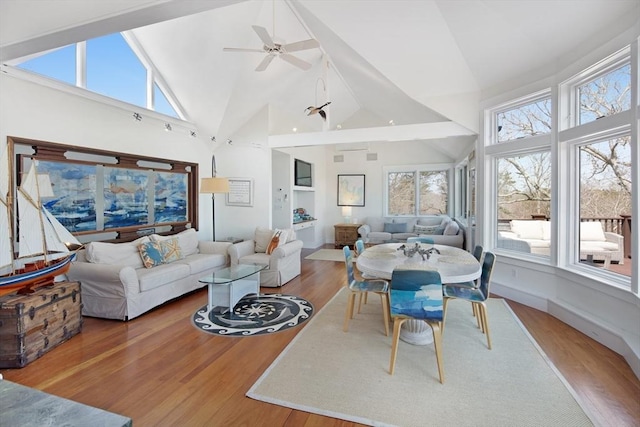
{"x":376,"y":223}
{"x":591,"y":231}
{"x":116,"y":253}
{"x":188,"y":240}
{"x":202,"y":262}
{"x":527,"y":229}
{"x":390,"y":227}
{"x":606,"y":246}
{"x":432,"y":220}
{"x":151,"y":254}
{"x":451,"y":229}
{"x":151,"y":278}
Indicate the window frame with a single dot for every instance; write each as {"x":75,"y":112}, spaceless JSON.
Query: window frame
{"x":434,"y":167}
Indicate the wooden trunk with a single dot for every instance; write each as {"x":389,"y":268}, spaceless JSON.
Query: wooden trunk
{"x":33,"y":324}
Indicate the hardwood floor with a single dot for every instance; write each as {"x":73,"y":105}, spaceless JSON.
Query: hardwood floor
{"x":161,"y":371}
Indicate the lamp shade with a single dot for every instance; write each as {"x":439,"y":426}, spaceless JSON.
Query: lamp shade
{"x":346,"y":211}
{"x":214,"y":185}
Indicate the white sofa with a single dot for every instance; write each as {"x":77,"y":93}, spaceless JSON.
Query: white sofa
{"x":441,"y":228}
{"x":116,"y":285}
{"x":534,"y":236}
{"x":283,"y":263}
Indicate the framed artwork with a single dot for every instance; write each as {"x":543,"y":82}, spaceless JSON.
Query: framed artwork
{"x":240,"y":192}
{"x":350,"y":190}
{"x":99,"y":191}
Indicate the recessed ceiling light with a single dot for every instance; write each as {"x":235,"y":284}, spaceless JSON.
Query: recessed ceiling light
{"x":391,"y":122}
{"x":339,"y":127}
{"x":295,"y":129}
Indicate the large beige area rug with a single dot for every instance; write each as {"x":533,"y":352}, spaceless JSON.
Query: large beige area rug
{"x":345,"y":375}
{"x":327,"y":255}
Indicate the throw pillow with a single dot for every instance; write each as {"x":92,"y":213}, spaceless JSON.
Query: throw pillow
{"x":426,"y":229}
{"x":391,"y":227}
{"x":151,"y":254}
{"x":452,"y":229}
{"x":170,"y":249}
{"x":275,"y":242}
{"x":262,"y":238}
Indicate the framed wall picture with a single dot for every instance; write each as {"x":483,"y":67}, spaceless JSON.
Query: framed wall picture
{"x":240,"y":192}
{"x":350,"y":190}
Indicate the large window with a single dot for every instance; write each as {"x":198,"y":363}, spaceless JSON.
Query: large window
{"x":565,"y":188}
{"x":524,"y":202}
{"x":417,"y":192}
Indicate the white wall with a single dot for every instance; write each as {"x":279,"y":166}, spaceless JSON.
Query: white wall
{"x":30,"y":110}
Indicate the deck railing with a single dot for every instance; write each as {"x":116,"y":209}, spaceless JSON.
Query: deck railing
{"x":619,"y":225}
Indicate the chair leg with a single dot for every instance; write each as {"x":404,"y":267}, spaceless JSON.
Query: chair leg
{"x":349,"y":313}
{"x":477,"y":312}
{"x":485,"y":322}
{"x":397,"y":323}
{"x":384,"y":298}
{"x":437,"y":343}
{"x":362,"y":295}
{"x":445,"y":301}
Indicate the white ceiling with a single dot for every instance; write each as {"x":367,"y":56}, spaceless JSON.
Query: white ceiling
{"x":410,"y":61}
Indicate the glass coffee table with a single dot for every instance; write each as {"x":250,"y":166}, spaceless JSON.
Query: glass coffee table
{"x":228,"y":285}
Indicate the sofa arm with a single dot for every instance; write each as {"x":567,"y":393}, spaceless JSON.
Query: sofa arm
{"x":287,"y":249}
{"x":105,"y":279}
{"x":238,"y":250}
{"x":364,"y":230}
{"x":614,"y":238}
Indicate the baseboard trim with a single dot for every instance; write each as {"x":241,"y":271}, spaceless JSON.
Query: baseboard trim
{"x":573,"y":317}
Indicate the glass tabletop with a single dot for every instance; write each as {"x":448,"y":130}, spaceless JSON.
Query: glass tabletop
{"x":234,"y":272}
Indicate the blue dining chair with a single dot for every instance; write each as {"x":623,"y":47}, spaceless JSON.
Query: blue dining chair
{"x":417,"y":294}
{"x":359,"y":287}
{"x":420,"y":239}
{"x":477,"y":252}
{"x":359,"y":245}
{"x":476,"y":296}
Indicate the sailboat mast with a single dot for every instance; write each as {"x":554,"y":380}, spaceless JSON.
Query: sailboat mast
{"x":10,"y":204}
{"x":40,"y":214}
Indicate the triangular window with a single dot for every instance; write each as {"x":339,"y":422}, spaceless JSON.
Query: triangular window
{"x":109,"y":67}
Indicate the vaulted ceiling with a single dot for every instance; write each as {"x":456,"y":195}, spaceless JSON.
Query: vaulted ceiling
{"x":422,"y":64}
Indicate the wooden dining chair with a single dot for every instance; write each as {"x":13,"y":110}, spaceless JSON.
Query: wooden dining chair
{"x":417,"y":294}
{"x":476,"y":296}
{"x":360,"y":287}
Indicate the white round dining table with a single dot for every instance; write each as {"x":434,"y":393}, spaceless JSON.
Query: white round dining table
{"x":455,"y":265}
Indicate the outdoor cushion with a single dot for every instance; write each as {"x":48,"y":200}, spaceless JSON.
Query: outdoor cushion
{"x":591,"y":231}
{"x":527,"y":229}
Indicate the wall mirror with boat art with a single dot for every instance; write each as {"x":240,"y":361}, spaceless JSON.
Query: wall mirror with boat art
{"x":96,"y":191}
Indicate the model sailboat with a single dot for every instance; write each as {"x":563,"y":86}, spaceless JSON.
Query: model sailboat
{"x":43,"y":243}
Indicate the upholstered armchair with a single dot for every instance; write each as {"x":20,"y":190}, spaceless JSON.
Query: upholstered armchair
{"x":283,"y":263}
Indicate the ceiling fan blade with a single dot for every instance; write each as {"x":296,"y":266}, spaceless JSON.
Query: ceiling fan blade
{"x":301,"y":45}
{"x":295,"y":61}
{"x":238,"y":49}
{"x":265,"y":62}
{"x":264,"y":35}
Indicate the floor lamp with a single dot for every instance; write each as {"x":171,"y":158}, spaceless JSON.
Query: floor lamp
{"x":212,"y":186}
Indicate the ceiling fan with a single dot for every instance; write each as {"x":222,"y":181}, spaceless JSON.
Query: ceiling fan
{"x":273,"y":49}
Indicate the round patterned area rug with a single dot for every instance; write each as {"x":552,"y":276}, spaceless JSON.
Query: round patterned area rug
{"x":254,"y":315}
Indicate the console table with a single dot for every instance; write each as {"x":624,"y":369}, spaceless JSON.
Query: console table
{"x":346,"y":234}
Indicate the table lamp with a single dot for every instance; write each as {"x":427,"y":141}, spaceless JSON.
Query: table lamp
{"x":346,"y":213}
